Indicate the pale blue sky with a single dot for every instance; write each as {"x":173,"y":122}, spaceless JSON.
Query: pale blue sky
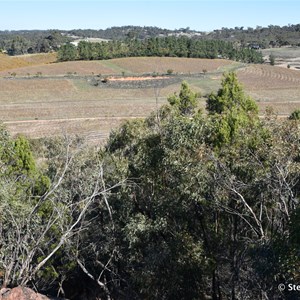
{"x":200,"y":15}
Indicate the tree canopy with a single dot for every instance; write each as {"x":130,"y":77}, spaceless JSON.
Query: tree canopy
{"x":162,"y":47}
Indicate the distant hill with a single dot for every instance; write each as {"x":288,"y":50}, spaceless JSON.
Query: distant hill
{"x":264,"y":37}
{"x":123,"y":32}
{"x":18,"y":42}
{"x":31,"y":41}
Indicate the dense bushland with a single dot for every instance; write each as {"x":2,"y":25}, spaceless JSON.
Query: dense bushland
{"x":181,"y":205}
{"x":168,"y":46}
{"x":31,"y":41}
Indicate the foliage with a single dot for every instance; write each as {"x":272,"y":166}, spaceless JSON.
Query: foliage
{"x":230,"y":109}
{"x":186,"y":101}
{"x":31,"y":41}
{"x":217,"y":200}
{"x":67,"y":52}
{"x":38,"y":41}
{"x":295,"y":115}
{"x":159,"y":46}
{"x":272,"y":59}
{"x":180,"y":205}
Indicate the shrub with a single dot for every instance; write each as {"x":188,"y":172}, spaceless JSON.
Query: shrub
{"x":295,"y":115}
{"x":272,"y":59}
{"x":170,"y":71}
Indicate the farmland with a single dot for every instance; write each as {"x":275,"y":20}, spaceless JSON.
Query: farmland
{"x":284,"y":56}
{"x":45,"y":98}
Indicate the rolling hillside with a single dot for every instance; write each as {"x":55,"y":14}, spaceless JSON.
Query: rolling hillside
{"x":65,"y":99}
{"x":13,"y":63}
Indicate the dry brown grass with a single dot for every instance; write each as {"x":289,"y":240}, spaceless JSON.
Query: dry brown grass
{"x":34,"y":90}
{"x":256,"y":77}
{"x":13,"y":63}
{"x":113,"y":108}
{"x":64,"y":68}
{"x":39,"y":58}
{"x":39,"y":63}
{"x":94,"y":130}
{"x":54,"y":90}
{"x":43,"y":107}
{"x":48,"y":106}
{"x":272,"y":86}
{"x":21,"y":85}
{"x":162,"y":64}
{"x":10,"y":62}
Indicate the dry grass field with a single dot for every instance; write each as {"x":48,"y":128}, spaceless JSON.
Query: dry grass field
{"x":258,"y":77}
{"x":130,"y":65}
{"x":162,"y":64}
{"x":39,"y":58}
{"x":284,"y":56}
{"x":61,"y":102}
{"x":63,"y":68}
{"x":13,"y":63}
{"x":272,"y":86}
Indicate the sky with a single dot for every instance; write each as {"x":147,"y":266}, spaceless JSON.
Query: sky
{"x":201,"y":15}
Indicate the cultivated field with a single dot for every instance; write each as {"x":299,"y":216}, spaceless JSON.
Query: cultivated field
{"x":272,"y":86}
{"x":119,"y":66}
{"x":162,"y":64}
{"x":284,"y":56}
{"x":62,"y":68}
{"x":65,"y":99}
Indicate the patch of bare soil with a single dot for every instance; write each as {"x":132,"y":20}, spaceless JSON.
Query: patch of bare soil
{"x":136,"y":82}
{"x":140,"y":78}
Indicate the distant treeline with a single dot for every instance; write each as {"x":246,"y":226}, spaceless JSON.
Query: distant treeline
{"x":31,"y":41}
{"x":123,"y":32}
{"x":265,"y":37}
{"x":17,"y":42}
{"x":166,"y":47}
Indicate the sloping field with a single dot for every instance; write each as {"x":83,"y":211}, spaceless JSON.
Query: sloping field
{"x":13,"y":63}
{"x":30,"y":90}
{"x":60,"y":89}
{"x":284,"y":56}
{"x":268,"y":77}
{"x":272,"y":86}
{"x":39,"y":58}
{"x":162,"y":64}
{"x":282,"y":52}
{"x":51,"y":105}
{"x":64,"y":68}
{"x":95,"y":130}
{"x":35,"y":84}
{"x":118,"y":66}
{"x":10,"y":62}
{"x":41,"y":107}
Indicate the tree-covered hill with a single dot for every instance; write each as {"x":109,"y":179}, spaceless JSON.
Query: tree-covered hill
{"x":32,"y":41}
{"x":264,"y":37}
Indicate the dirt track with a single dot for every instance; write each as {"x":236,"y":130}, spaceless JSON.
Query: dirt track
{"x":71,"y":119}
